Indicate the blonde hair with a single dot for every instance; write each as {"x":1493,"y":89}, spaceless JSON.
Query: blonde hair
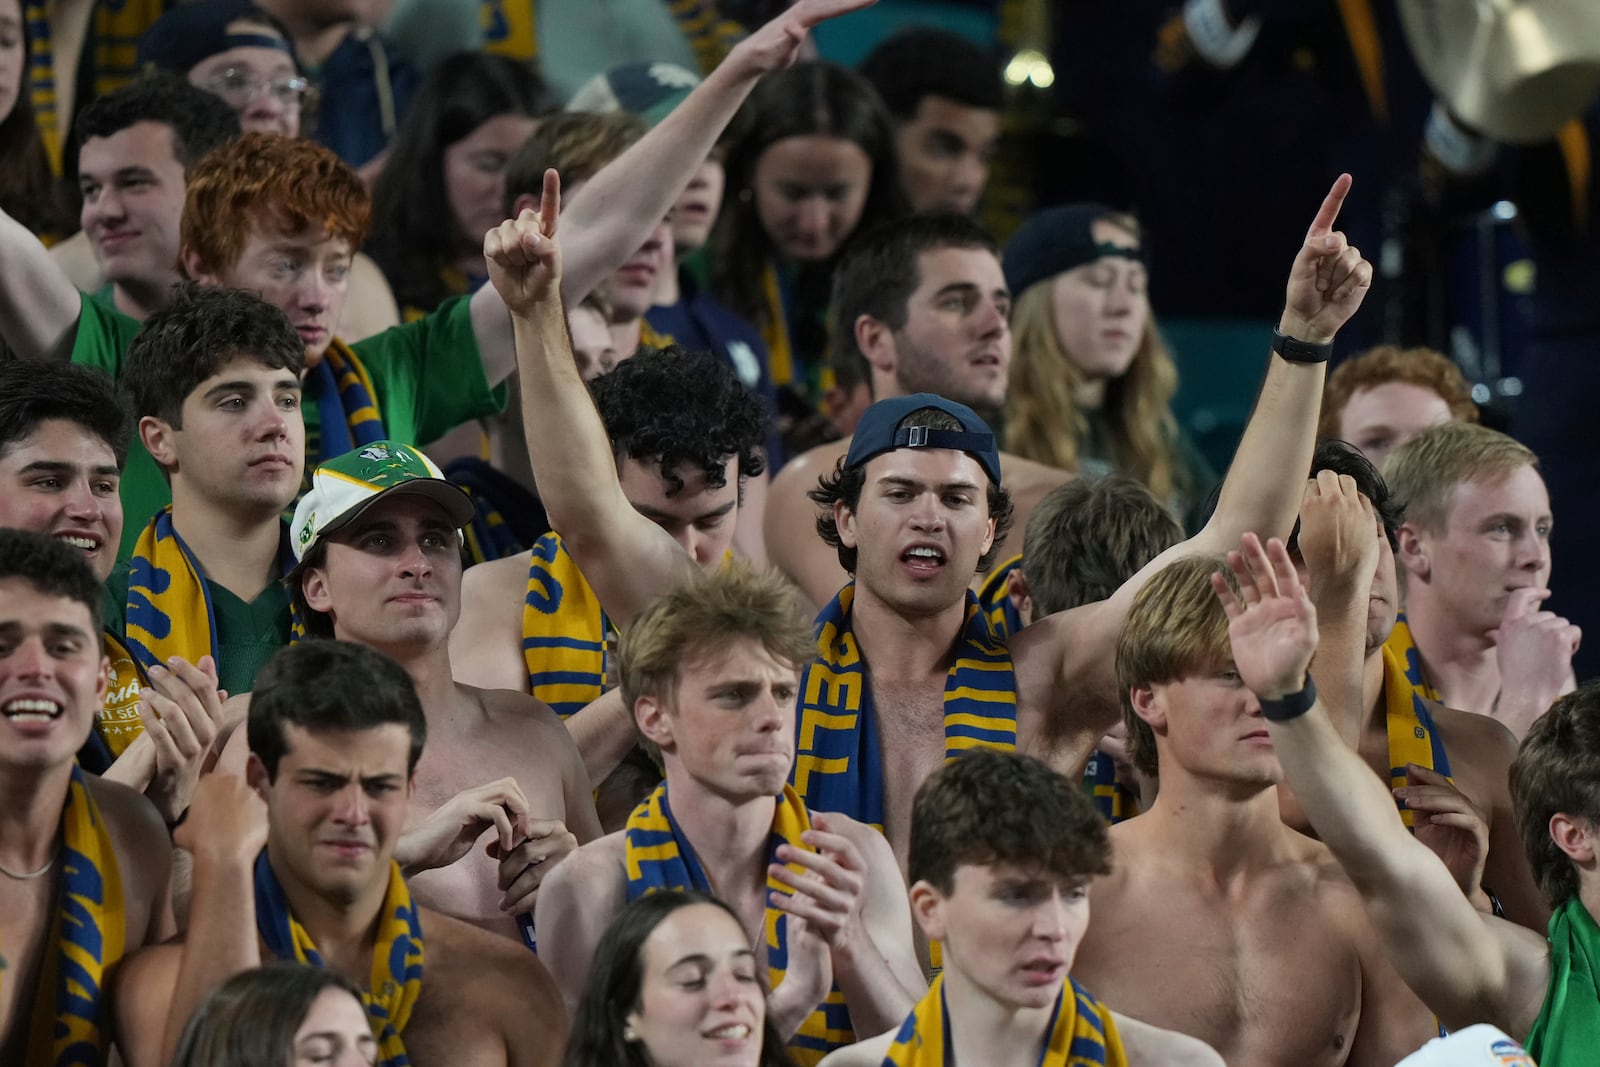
{"x":1424,"y":472}
{"x":1175,"y":628}
{"x":704,"y":616}
{"x":1043,"y":423}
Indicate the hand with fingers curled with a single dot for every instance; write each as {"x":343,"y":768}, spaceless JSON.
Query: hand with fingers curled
{"x":227,"y":822}
{"x":1534,"y":650}
{"x":525,"y":862}
{"x":829,"y":889}
{"x":181,"y":709}
{"x":1337,"y":542}
{"x":1448,"y":822}
{"x":1272,"y":626}
{"x":1329,"y":279}
{"x":456,"y":825}
{"x":777,"y":44}
{"x":523,"y":256}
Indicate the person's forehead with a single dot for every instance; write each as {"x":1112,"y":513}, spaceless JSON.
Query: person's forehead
{"x":642,"y":482}
{"x":1517,"y":490}
{"x":255,"y":58}
{"x":946,"y":265}
{"x":22,"y":602}
{"x":1390,"y":400}
{"x":244,"y":368}
{"x":57,"y":441}
{"x":145,"y":143}
{"x":976,"y":123}
{"x":313,"y":238}
{"x":743,"y":657}
{"x":936,"y":465}
{"x":374,"y":750}
{"x":694,"y":929}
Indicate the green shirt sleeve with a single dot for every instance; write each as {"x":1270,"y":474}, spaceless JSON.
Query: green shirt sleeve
{"x":103,"y":336}
{"x":429,"y":374}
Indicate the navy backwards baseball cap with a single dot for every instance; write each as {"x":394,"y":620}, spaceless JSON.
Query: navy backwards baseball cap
{"x":1056,"y":240}
{"x":190,"y":33}
{"x":879,"y":431}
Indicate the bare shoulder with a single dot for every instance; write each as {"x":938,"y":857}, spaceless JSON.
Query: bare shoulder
{"x":1153,"y":1046}
{"x":496,"y":585}
{"x":800,"y":474}
{"x":790,"y":524}
{"x":140,"y":999}
{"x":596,"y":871}
{"x":144,"y":851}
{"x":521,"y":1002}
{"x":1478,"y":740}
{"x":1028,"y":480}
{"x":511,"y":710}
{"x":868,"y":1053}
{"x":486,"y":643}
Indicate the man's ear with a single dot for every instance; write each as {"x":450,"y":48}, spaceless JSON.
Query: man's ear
{"x":927,"y":907}
{"x":876,"y":342}
{"x":256,"y":777}
{"x":314,"y":588}
{"x":844,"y":520}
{"x":195,"y":269}
{"x":650,"y":713}
{"x":1017,"y":593}
{"x":1412,"y":551}
{"x":1148,"y":708}
{"x":156,"y":436}
{"x":1575,"y":837}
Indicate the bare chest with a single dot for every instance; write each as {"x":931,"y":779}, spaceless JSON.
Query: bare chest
{"x":24,"y":933}
{"x":910,"y":719}
{"x":1268,"y":979}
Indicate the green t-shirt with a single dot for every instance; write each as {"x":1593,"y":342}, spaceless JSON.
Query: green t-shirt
{"x":247,"y":633}
{"x":428,"y":375}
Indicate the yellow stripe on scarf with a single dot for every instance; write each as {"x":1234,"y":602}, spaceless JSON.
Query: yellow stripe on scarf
{"x":564,"y":631}
{"x":656,"y":856}
{"x":395,"y":982}
{"x":88,"y":932}
{"x":169,"y":607}
{"x":118,"y":722}
{"x":775,"y":329}
{"x":1413,"y":737}
{"x":1082,"y":1033}
{"x":1404,"y":648}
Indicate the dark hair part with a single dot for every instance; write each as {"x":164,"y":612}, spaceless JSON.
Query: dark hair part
{"x":844,"y":486}
{"x":414,"y":233}
{"x":200,"y":121}
{"x":251,"y":1019}
{"x":617,"y":979}
{"x":201,"y":331}
{"x":882,"y":267}
{"x":334,"y":686}
{"x":807,"y":99}
{"x":30,"y":192}
{"x":34,"y":391}
{"x":990,"y":807}
{"x":1343,"y":458}
{"x":926,"y":61}
{"x":1087,"y":537}
{"x":52,"y":568}
{"x":681,"y":409}
{"x":1557,"y":770}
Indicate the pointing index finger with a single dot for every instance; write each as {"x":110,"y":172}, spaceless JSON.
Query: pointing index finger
{"x":1328,"y":213}
{"x":550,"y":203}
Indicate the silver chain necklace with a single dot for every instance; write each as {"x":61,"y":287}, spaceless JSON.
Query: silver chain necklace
{"x":30,"y":875}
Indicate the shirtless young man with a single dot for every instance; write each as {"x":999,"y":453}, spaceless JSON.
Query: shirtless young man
{"x":1467,"y":966}
{"x":1475,"y":548}
{"x":916,"y":508}
{"x":379,"y":564}
{"x":85,"y":862}
{"x":1416,"y":745}
{"x":299,"y":864}
{"x":1218,"y":920}
{"x":709,"y":672}
{"x":924,"y":300}
{"x":1003,"y":851}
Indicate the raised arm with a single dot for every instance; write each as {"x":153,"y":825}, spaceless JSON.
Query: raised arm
{"x":614,"y":213}
{"x":1467,"y":967}
{"x":1066,"y":662}
{"x":626,"y":557}
{"x":38,"y":302}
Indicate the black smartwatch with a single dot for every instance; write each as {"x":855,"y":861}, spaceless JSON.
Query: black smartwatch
{"x":1297,"y":351}
{"x":1290,"y":705}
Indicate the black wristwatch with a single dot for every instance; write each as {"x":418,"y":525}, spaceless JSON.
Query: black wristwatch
{"x":1297,"y":351}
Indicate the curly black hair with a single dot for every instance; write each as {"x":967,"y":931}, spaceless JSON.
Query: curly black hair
{"x":200,"y":121}
{"x":682,"y":408}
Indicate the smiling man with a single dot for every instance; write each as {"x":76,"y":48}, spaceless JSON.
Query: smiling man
{"x":1003,"y":851}
{"x":1475,"y":551}
{"x":86,"y":862}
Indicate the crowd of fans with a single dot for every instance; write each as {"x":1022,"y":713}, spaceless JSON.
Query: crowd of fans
{"x":525,"y":541}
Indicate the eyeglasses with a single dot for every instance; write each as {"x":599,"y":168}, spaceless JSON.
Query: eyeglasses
{"x":240,"y":85}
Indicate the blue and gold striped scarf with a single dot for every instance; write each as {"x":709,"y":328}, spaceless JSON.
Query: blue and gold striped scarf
{"x":510,"y":28}
{"x":1004,"y":619}
{"x":564,"y":632}
{"x":347,"y":403}
{"x":838,"y":765}
{"x":1082,"y":1033}
{"x":111,"y":46}
{"x":1404,"y":647}
{"x":1413,"y":737}
{"x":68,"y":1028}
{"x":396,"y":980}
{"x":658,"y":856}
{"x":169,"y":603}
{"x":1102,"y":782}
